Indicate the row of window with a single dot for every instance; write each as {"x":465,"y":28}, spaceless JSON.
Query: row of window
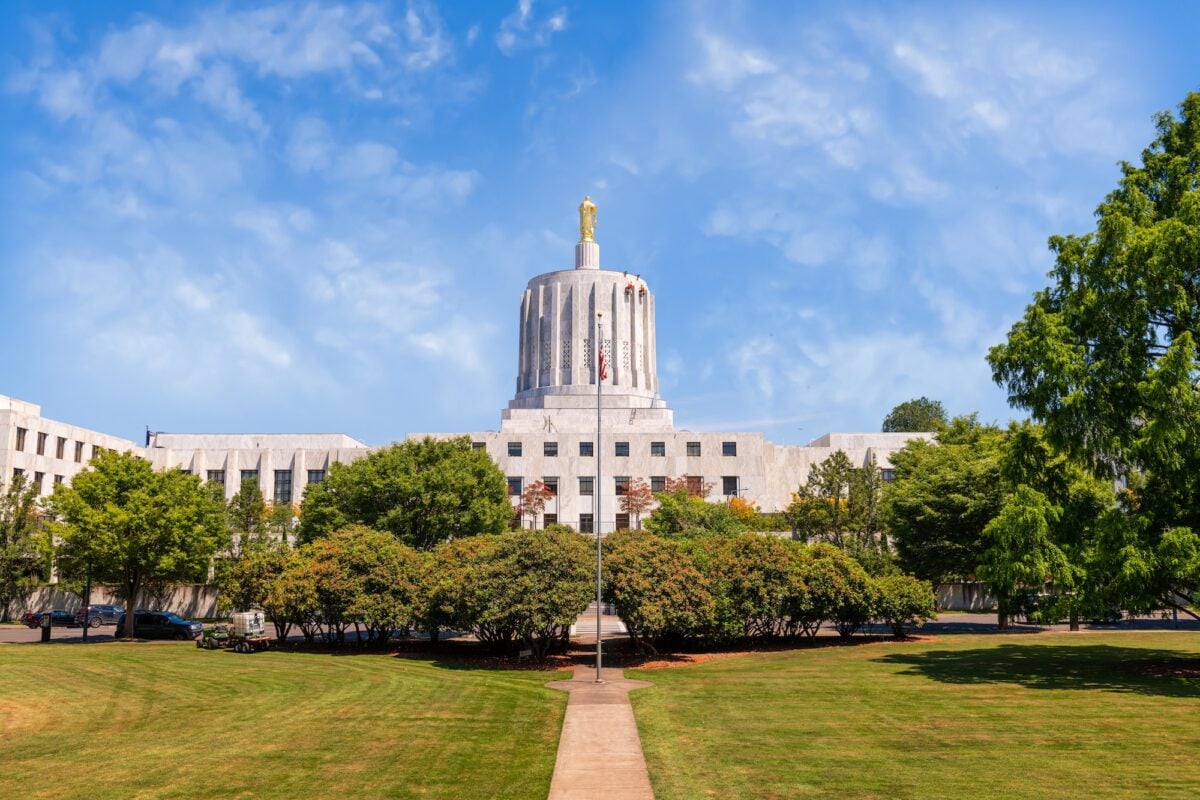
{"x":39,"y":478}
{"x":730,"y":485}
{"x":619,"y":449}
{"x":60,"y":446}
{"x":283,"y":480}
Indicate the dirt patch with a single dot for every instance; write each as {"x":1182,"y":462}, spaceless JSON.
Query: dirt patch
{"x":1188,"y":668}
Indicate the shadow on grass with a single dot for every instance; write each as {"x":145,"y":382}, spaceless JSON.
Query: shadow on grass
{"x":1097,"y":667}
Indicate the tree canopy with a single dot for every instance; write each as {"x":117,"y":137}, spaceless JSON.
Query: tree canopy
{"x":421,"y":492}
{"x":20,"y":567}
{"x":943,"y":495}
{"x":918,"y":415}
{"x":134,"y":527}
{"x":1106,"y":356}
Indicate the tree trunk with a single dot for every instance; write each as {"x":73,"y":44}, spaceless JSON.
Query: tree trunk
{"x":131,"y":588}
{"x":1074,"y":618}
{"x":433,"y":634}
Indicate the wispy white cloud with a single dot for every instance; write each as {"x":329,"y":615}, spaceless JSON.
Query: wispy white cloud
{"x":522,"y":29}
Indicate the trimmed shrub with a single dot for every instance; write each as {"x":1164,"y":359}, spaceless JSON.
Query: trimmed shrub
{"x":655,"y":587}
{"x":904,"y":600}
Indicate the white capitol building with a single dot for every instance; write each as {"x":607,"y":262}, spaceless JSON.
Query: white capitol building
{"x":548,"y":432}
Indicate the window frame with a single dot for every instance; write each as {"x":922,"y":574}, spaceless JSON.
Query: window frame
{"x":729,"y":449}
{"x":658,"y":449}
{"x":694,"y":446}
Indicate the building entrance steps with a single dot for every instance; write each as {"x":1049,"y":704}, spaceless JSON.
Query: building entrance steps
{"x":599,"y":751}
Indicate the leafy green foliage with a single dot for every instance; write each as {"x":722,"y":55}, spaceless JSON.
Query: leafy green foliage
{"x":362,"y":577}
{"x":526,"y":587}
{"x":20,"y":564}
{"x":1020,"y":551}
{"x":942,"y":497}
{"x":135,"y":527}
{"x":1105,"y":357}
{"x":246,"y":514}
{"x":655,"y":588}
{"x":842,"y":504}
{"x":422,"y":492}
{"x":919,"y":415}
{"x":246,"y":582}
{"x":750,"y":577}
{"x":904,"y":600}
{"x":682,"y":513}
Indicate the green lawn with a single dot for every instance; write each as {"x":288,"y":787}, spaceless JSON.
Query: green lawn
{"x":123,"y":720}
{"x":1021,"y":716}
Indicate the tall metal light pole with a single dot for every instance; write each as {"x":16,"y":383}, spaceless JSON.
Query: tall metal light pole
{"x":596,"y":489}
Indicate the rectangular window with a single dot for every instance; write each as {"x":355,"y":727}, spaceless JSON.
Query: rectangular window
{"x":549,"y":519}
{"x":585,"y":449}
{"x":586,"y":486}
{"x":316,"y":475}
{"x":514,"y":449}
{"x":585,"y":523}
{"x":621,"y":448}
{"x":621,"y":484}
{"x":729,"y":448}
{"x":729,"y":485}
{"x":185,"y":471}
{"x":658,"y":483}
{"x":249,"y":475}
{"x":58,"y":479}
{"x":216,"y":476}
{"x":60,"y":447}
{"x":658,"y":448}
{"x":549,"y":448}
{"x":888,"y":475}
{"x":79,"y":452}
{"x":21,"y":439}
{"x":514,"y":487}
{"x":41,"y":448}
{"x":38,"y":479}
{"x":622,"y":522}
{"x":283,"y":486}
{"x":551,"y":485}
{"x":17,"y":472}
{"x":96,"y":450}
{"x":478,"y":446}
{"x":695,"y":484}
{"x":693,"y":448}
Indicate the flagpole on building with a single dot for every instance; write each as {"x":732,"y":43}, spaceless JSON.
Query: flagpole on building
{"x":596,"y":489}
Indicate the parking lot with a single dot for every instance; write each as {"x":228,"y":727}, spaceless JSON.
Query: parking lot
{"x":20,"y":633}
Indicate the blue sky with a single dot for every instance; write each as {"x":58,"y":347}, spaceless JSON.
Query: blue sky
{"x":316,"y":216}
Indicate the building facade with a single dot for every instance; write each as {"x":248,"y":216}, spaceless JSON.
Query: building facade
{"x":586,"y":336}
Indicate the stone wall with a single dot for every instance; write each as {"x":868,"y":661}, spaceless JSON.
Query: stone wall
{"x":969,"y":596}
{"x":188,"y":601}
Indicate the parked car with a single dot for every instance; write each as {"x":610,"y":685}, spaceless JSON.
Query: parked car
{"x":59,"y":619}
{"x":161,"y":625}
{"x":100,"y":614}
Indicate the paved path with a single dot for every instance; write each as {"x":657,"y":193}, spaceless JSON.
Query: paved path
{"x":599,"y":751}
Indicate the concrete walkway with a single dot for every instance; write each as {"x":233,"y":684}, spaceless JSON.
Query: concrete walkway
{"x":599,"y":752}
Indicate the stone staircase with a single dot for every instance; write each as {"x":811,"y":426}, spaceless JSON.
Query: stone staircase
{"x":610,"y":624}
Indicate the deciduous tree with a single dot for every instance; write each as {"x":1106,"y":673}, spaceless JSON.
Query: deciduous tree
{"x":637,"y":500}
{"x":20,"y":566}
{"x":422,"y":492}
{"x":134,"y":526}
{"x":1106,"y":358}
{"x":919,"y":415}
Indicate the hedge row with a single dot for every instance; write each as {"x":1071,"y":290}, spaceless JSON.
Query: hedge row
{"x":526,"y":588}
{"x":727,"y":588}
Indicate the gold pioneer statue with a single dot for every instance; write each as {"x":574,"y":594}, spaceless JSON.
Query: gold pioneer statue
{"x":587,"y":220}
